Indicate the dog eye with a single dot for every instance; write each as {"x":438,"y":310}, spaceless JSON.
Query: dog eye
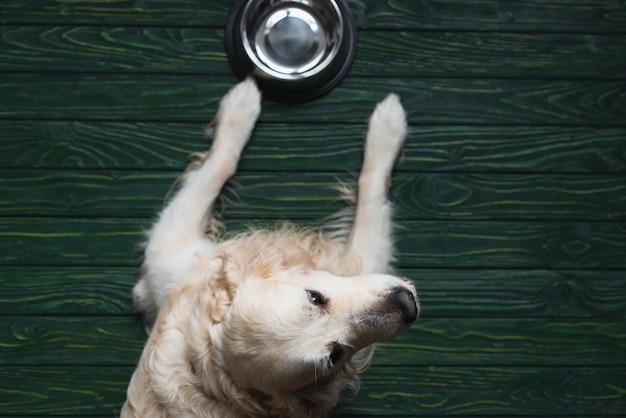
{"x":316,"y":298}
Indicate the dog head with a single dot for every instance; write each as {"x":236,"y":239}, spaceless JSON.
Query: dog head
{"x":301,"y":326}
{"x":283,"y":329}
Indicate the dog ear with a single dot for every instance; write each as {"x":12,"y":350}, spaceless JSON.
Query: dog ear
{"x":215,"y":288}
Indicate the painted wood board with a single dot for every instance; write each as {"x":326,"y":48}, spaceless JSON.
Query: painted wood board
{"x":485,"y":15}
{"x":117,"y":97}
{"x":97,"y":49}
{"x":437,"y":244}
{"x":318,"y":147}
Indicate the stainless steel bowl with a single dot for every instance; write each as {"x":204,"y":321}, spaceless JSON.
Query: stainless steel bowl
{"x":298,"y":50}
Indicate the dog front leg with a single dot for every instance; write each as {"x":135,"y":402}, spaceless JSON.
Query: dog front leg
{"x":370,"y":237}
{"x":180,"y":228}
{"x":185,"y":217}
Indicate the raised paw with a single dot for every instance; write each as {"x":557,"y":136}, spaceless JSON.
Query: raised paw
{"x":243,"y":99}
{"x":238,"y":112}
{"x":387,"y":130}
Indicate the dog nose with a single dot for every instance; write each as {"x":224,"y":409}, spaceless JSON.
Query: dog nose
{"x":405,"y":300}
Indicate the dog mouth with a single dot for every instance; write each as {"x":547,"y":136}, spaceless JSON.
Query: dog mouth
{"x":337,"y":353}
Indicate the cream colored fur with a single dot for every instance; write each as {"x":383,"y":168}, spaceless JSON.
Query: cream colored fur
{"x":273,"y":323}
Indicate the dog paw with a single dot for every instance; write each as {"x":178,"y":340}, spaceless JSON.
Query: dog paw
{"x":387,"y":128}
{"x":239,"y":111}
{"x":243,"y":100}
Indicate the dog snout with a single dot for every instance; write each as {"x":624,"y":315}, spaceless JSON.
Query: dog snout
{"x":404,"y":301}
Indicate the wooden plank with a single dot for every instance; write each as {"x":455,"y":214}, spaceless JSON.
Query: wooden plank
{"x":501,"y":196}
{"x":444,"y":293}
{"x":123,"y":194}
{"x":511,"y":244}
{"x":93,"y":193}
{"x":515,"y":149}
{"x":113,"y":242}
{"x":69,"y":391}
{"x":520,"y":293}
{"x":118,"y":341}
{"x":106,"y":242}
{"x":493,"y":391}
{"x":109,"y":49}
{"x":312,"y":195}
{"x":489,"y":55}
{"x":187,"y":12}
{"x":46,"y":144}
{"x":493,"y":15}
{"x":558,"y":15}
{"x":66,"y":291}
{"x":510,"y":342}
{"x":71,"y":340}
{"x":379,"y":53}
{"x":433,"y":101}
{"x":325,"y":147}
{"x":397,"y":392}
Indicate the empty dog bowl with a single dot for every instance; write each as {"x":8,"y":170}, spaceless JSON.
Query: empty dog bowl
{"x":297,"y":50}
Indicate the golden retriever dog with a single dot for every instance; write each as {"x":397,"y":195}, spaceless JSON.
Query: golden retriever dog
{"x":269,"y":323}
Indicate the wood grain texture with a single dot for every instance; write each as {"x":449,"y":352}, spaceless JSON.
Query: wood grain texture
{"x":70,"y":340}
{"x":66,"y":391}
{"x":511,"y":341}
{"x":524,"y":293}
{"x":102,"y":49}
{"x":492,"y":15}
{"x":379,"y":53}
{"x":501,"y":196}
{"x":318,"y":147}
{"x":444,"y":293}
{"x":311,"y":196}
{"x":489,"y":55}
{"x":512,"y":244}
{"x":105,"y":242}
{"x":115,"y":341}
{"x":488,"y":15}
{"x":189,"y":12}
{"x":436,"y":101}
{"x":461,"y":244}
{"x":74,"y":291}
{"x":386,"y":391}
{"x":515,"y":149}
{"x":452,"y":391}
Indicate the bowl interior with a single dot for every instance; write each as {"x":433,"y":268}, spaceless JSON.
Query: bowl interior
{"x":291,"y":40}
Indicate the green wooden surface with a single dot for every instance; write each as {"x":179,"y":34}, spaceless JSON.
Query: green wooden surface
{"x":510,"y":198}
{"x":434,"y":101}
{"x":443,"y":391}
{"x":463,"y":244}
{"x":380,"y":53}
{"x":270,"y":195}
{"x":482,"y":15}
{"x":326,"y":147}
